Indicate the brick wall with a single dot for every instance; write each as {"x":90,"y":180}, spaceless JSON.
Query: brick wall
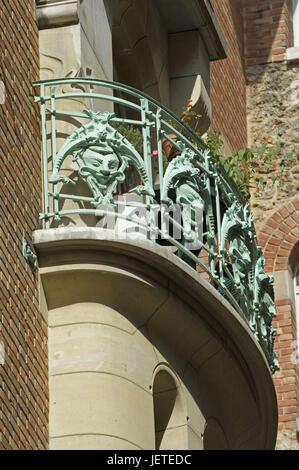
{"x":268,"y":30}
{"x":272,"y":115}
{"x":279,"y":238}
{"x":228,"y":85}
{"x":23,"y":381}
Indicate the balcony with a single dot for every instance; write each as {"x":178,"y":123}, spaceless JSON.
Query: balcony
{"x":96,"y":170}
{"x":149,"y":267}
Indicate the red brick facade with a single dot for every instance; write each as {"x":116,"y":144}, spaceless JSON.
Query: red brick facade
{"x":228,"y":84}
{"x":258,"y":32}
{"x":23,"y":376}
{"x":268,"y":30}
{"x":279,"y":238}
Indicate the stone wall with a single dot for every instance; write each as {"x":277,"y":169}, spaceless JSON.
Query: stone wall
{"x":272,"y":113}
{"x":23,"y":335}
{"x":272,"y":107}
{"x":272,"y":116}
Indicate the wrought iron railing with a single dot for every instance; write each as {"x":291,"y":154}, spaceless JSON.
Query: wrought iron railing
{"x":124,"y":151}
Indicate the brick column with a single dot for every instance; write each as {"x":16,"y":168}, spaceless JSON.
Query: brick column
{"x":228,"y":83}
{"x":23,"y":335}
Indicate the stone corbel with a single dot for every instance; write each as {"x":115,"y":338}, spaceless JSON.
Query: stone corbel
{"x":51,"y":13}
{"x":192,"y":88}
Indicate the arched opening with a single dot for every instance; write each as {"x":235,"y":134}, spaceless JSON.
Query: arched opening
{"x":296,"y":293}
{"x":294,"y":269}
{"x":170,"y":420}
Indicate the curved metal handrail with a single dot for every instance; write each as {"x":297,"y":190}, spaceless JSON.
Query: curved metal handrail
{"x":191,"y":183}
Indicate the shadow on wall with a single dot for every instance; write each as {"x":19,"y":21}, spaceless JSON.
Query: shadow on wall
{"x":168,"y":409}
{"x":294,"y":257}
{"x":170,"y":414}
{"x":237,"y":14}
{"x":140,"y":48}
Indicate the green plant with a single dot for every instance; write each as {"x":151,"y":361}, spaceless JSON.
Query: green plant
{"x":134,"y":136}
{"x":131,"y":133}
{"x":246,"y":165}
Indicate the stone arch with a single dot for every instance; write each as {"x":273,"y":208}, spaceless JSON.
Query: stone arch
{"x":294,"y":257}
{"x":279,"y":236}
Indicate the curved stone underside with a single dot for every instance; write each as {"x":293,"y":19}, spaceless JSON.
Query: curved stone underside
{"x":119,"y":311}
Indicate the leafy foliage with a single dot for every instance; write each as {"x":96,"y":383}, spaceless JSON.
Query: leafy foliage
{"x":132,"y":134}
{"x":245,"y":165}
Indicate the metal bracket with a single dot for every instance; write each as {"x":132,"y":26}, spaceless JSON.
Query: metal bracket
{"x":29,"y":256}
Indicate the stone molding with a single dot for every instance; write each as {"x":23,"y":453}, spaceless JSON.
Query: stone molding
{"x":201,"y":103}
{"x":51,"y":13}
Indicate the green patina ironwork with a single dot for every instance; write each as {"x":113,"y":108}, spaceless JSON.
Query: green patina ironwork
{"x":102,"y":155}
{"x":192,"y":180}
